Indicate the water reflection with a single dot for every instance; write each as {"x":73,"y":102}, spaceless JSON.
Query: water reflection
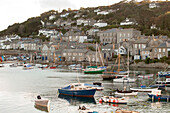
{"x":77,"y":100}
{"x":41,"y":108}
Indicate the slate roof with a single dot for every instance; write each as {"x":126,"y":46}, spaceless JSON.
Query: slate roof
{"x":162,"y":45}
{"x":75,"y":50}
{"x":141,"y":41}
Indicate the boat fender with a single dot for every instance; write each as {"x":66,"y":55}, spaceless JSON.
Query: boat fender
{"x":113,"y":100}
{"x":109,"y":100}
{"x":100,"y":100}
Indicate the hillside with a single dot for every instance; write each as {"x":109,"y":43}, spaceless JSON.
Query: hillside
{"x":141,"y":12}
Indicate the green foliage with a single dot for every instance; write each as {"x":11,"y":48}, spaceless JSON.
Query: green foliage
{"x":144,"y":16}
{"x":137,"y":61}
{"x":92,"y":48}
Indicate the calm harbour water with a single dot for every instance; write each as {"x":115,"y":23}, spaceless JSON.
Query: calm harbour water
{"x":19,"y":88}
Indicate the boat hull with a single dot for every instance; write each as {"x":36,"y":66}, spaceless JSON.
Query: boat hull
{"x":114,"y":100}
{"x":143,"y":89}
{"x":127,"y":94}
{"x":159,"y":97}
{"x":94,"y":72}
{"x":78,"y":93}
{"x":43,"y":103}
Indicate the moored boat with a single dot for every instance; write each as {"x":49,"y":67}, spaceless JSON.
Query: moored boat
{"x":77,"y":89}
{"x":42,"y":102}
{"x":126,"y":93}
{"x":156,"y":95}
{"x":53,"y":67}
{"x":112,"y":75}
{"x":124,"y":80}
{"x":27,"y":67}
{"x":164,"y":74}
{"x":143,"y":89}
{"x":146,"y":76}
{"x":167,"y":82}
{"x":94,"y":70}
{"x":114,"y":100}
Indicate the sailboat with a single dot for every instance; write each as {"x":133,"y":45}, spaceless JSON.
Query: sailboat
{"x":125,"y":79}
{"x":78,"y":90}
{"x":97,"y":70}
{"x":115,"y":74}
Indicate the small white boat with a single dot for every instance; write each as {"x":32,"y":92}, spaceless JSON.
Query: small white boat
{"x":124,"y":80}
{"x":146,"y":76}
{"x":126,"y":93}
{"x":42,"y":102}
{"x":114,"y":100}
{"x":143,"y":89}
{"x":27,"y":67}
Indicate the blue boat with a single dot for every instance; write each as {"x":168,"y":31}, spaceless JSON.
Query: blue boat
{"x":164,"y":74}
{"x":156,"y":95}
{"x":77,"y":89}
{"x":157,"y":86}
{"x":77,"y":100}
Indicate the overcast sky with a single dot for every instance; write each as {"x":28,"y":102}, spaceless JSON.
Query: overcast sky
{"x":17,"y":11}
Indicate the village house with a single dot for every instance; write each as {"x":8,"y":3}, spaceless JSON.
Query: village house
{"x":153,"y":5}
{"x":51,"y":17}
{"x":102,"y":13}
{"x":138,"y":46}
{"x":96,"y":10}
{"x":77,"y":15}
{"x":64,"y":15}
{"x":47,"y":32}
{"x":159,"y":48}
{"x":108,"y":36}
{"x":74,"y":37}
{"x":86,"y":22}
{"x":92,"y":32}
{"x":129,"y":21}
{"x":45,"y":52}
{"x":127,"y":34}
{"x":108,"y":51}
{"x":16,"y":44}
{"x":74,"y":55}
{"x":91,"y":57}
{"x":100,"y":24}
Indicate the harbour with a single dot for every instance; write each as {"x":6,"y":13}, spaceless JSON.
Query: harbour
{"x":19,"y":89}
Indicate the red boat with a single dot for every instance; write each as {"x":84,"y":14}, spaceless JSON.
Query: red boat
{"x":53,"y":67}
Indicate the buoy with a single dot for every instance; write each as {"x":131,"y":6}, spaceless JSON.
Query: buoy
{"x":158,"y":99}
{"x":109,"y":100}
{"x":114,"y":101}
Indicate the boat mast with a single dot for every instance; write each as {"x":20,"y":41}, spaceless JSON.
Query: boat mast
{"x":128,"y":61}
{"x":118,"y":59}
{"x":96,"y":53}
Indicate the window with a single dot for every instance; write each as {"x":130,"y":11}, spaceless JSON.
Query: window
{"x":80,"y":54}
{"x":159,"y":49}
{"x":128,"y":35}
{"x":75,"y":54}
{"x":155,"y":49}
{"x":120,"y":34}
{"x":135,"y":45}
{"x":139,"y":45}
{"x":64,"y":54}
{"x":163,"y":50}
